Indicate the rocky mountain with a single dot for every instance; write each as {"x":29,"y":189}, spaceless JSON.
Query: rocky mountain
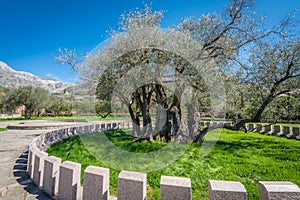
{"x":13,"y":79}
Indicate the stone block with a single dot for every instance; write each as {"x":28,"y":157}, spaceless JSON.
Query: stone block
{"x":250,"y":127}
{"x":93,"y":128}
{"x":267,"y":128}
{"x":108,"y":126}
{"x":38,"y":170}
{"x":96,"y":183}
{"x":69,"y":181}
{"x":175,"y":188}
{"x":130,"y":125}
{"x":226,"y":190}
{"x":296,"y":131}
{"x":132,"y":185}
{"x":259,"y":127}
{"x":51,"y":175}
{"x":285,"y":130}
{"x":207,"y":124}
{"x":30,"y":161}
{"x":87,"y":129}
{"x":98,"y":127}
{"x":81,"y":130}
{"x":227,"y":124}
{"x":270,"y":190}
{"x":277,"y":129}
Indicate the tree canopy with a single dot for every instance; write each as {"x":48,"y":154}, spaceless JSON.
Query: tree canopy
{"x":32,"y":98}
{"x":164,"y":76}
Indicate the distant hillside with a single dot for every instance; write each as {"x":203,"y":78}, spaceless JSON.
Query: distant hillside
{"x":13,"y":79}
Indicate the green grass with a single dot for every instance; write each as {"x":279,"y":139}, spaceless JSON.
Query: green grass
{"x":237,"y":156}
{"x":66,"y":118}
{"x":3,"y":129}
{"x":292,"y":125}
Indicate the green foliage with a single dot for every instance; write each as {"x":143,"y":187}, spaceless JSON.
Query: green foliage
{"x":61,"y":108}
{"x":284,"y":107}
{"x":34,"y":99}
{"x":84,"y":107}
{"x":268,"y":67}
{"x":103,"y":109}
{"x":91,"y":117}
{"x":237,"y":156}
{"x":3,"y":129}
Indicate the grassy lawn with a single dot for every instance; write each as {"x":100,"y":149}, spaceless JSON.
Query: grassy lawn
{"x":292,"y":125}
{"x":66,"y":118}
{"x":3,"y":129}
{"x":237,"y":156}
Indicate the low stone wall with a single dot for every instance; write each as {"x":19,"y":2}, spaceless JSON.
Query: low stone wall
{"x":61,"y":180}
{"x":280,"y":130}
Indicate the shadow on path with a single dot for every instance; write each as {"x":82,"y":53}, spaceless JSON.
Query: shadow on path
{"x":19,"y":171}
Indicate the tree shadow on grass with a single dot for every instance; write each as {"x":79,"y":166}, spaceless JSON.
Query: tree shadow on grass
{"x":128,"y":143}
{"x":22,"y":177}
{"x":266,"y":147}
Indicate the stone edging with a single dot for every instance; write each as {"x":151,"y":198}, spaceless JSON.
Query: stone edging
{"x":280,"y":130}
{"x":62,"y":180}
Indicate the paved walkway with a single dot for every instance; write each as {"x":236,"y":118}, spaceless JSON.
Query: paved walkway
{"x":14,"y":182}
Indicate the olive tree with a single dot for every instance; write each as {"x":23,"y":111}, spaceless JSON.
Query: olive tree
{"x":32,"y":98}
{"x":272,"y":69}
{"x":259,"y":63}
{"x":162,"y":56}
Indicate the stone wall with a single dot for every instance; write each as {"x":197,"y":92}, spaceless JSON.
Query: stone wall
{"x":280,"y":130}
{"x":61,"y":180}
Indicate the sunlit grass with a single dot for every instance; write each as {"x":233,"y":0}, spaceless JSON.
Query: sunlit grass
{"x":3,"y":129}
{"x":237,"y":156}
{"x":67,"y":118}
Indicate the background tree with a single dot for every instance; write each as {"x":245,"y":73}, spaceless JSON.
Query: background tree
{"x":103,"y":109}
{"x":272,"y":69}
{"x":34,"y":99}
{"x":3,"y":92}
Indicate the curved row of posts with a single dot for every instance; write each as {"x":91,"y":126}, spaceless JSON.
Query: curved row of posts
{"x":61,"y":180}
{"x":292,"y":132}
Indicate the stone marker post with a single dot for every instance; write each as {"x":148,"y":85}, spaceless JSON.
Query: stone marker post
{"x":270,"y":190}
{"x":96,"y":183}
{"x":132,"y":185}
{"x":226,"y":190}
{"x":51,"y":175}
{"x":69,"y":181}
{"x":38,"y":170}
{"x":175,"y":188}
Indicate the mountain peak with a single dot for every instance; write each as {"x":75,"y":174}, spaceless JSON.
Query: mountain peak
{"x":13,"y":79}
{"x":5,"y":67}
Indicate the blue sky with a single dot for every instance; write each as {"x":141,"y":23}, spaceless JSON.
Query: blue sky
{"x":31,"y":31}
